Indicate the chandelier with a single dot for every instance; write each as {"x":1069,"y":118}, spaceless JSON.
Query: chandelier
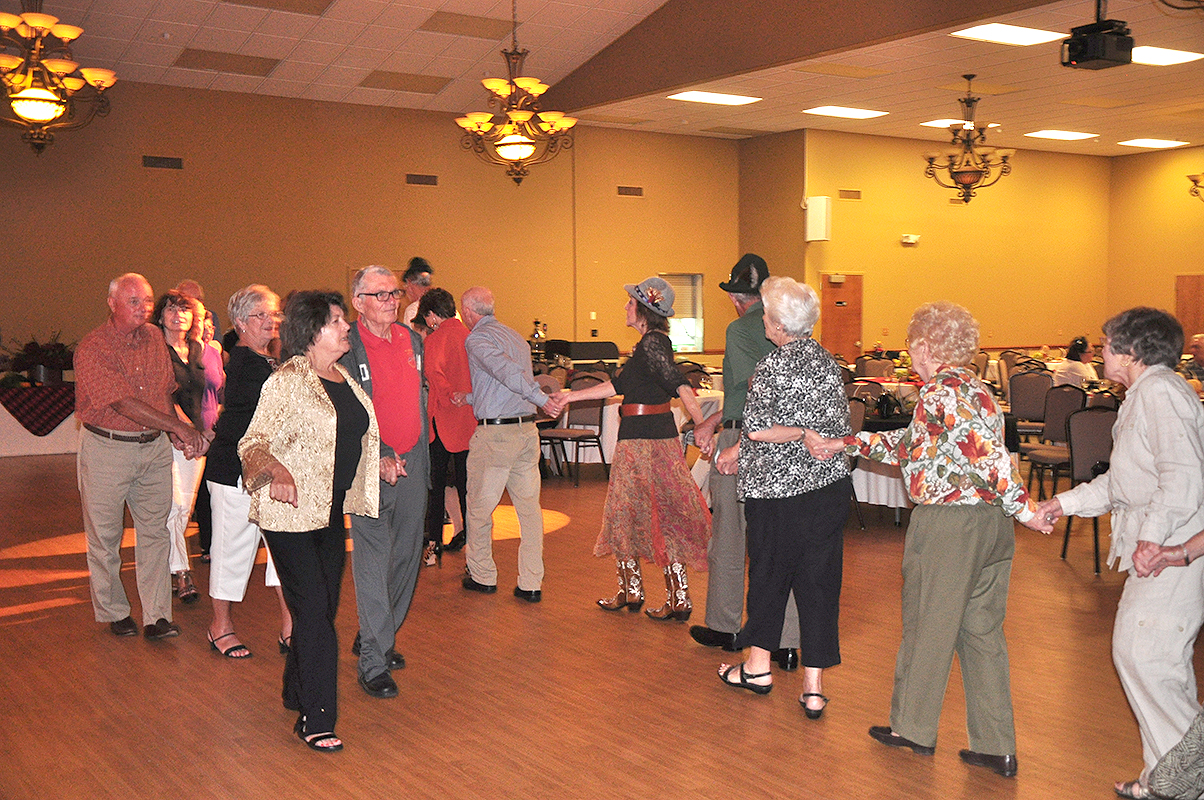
{"x":519,"y":135}
{"x":969,"y":163}
{"x":46,"y":89}
{"x":1196,"y":180}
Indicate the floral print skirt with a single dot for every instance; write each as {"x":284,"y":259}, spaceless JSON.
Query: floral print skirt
{"x":654,"y":510}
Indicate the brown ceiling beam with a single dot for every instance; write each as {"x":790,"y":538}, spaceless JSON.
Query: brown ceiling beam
{"x":688,"y":42}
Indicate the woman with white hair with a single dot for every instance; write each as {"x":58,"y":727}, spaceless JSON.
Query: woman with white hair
{"x":795,"y":505}
{"x":957,"y":557}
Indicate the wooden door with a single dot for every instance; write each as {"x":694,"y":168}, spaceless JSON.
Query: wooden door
{"x":840,"y":316}
{"x":1189,"y":303}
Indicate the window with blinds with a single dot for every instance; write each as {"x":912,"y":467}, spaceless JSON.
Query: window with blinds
{"x":685,"y":326}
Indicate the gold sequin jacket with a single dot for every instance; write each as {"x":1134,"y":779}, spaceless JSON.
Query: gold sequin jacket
{"x":294,"y":425}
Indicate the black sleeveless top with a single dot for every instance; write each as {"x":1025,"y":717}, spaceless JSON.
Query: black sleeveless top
{"x":351,"y":425}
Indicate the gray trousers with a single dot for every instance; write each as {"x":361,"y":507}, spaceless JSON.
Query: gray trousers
{"x":113,"y":475}
{"x":385,"y":562}
{"x":1153,"y":640}
{"x":726,"y":556}
{"x":957,"y":562}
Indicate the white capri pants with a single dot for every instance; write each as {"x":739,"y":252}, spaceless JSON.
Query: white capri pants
{"x":185,"y":479}
{"x":235,"y":544}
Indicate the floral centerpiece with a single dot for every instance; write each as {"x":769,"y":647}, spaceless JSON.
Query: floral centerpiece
{"x":43,"y":361}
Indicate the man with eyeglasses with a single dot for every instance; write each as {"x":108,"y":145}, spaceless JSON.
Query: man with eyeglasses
{"x":417,"y":280}
{"x":123,"y":398}
{"x":386,"y":359}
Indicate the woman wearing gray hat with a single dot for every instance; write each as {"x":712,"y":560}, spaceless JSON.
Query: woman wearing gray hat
{"x":653,"y":509}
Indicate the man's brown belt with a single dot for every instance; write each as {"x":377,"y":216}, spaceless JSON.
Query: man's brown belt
{"x":642,"y":409}
{"x":133,"y":438}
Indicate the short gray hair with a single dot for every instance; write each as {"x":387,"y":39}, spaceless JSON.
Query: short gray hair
{"x":243,"y":302}
{"x":478,"y":300}
{"x":120,"y":279}
{"x":793,"y":305}
{"x":358,"y":281}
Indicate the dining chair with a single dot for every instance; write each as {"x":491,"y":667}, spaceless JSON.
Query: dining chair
{"x":585,"y":430}
{"x":880,"y":368}
{"x":1007,"y":360}
{"x":1028,"y":400}
{"x":1089,"y":435}
{"x":1104,"y":399}
{"x":548,"y":384}
{"x":1051,"y":453}
{"x":981,"y":360}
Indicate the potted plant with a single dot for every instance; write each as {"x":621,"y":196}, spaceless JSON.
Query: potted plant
{"x":44,"y":362}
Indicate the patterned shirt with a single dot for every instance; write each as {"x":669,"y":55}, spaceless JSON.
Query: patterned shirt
{"x":111,"y":366}
{"x":952,"y":453}
{"x":797,"y":385}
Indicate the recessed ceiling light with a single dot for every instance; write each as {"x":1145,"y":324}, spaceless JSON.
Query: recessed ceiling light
{"x":1065,"y":136}
{"x":715,"y":98}
{"x":1162,"y":57}
{"x":846,"y":113}
{"x":1158,"y":143}
{"x":1008,"y":34}
{"x":949,"y":123}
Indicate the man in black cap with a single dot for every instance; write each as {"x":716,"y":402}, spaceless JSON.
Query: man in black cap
{"x":746,"y":345}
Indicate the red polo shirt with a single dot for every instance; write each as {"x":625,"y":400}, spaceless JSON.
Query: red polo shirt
{"x":396,"y":387}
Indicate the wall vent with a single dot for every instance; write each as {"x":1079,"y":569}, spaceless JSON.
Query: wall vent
{"x":162,"y":162}
{"x":850,"y":194}
{"x":631,"y":191}
{"x":422,"y":180}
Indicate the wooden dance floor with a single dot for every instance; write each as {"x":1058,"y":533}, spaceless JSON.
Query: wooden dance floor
{"x":502,"y":699}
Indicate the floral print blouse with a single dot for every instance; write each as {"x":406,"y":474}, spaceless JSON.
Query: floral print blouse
{"x":798,"y":385}
{"x":952,"y":453}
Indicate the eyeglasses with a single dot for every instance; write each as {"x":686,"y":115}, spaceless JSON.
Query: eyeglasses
{"x":382,"y":297}
{"x":275,"y":316}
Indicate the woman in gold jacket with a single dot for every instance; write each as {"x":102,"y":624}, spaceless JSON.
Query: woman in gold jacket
{"x":309,"y":456}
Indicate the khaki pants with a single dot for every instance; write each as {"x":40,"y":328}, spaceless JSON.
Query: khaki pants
{"x":504,"y":457}
{"x":111,"y":476}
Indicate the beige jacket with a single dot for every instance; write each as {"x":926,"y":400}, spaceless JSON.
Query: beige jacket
{"x":294,"y":425}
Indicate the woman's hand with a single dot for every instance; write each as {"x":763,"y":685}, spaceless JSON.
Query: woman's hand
{"x":727,"y":460}
{"x":821,"y":447}
{"x":1039,"y":523}
{"x":1050,"y":510}
{"x":388,"y":470}
{"x":1150,"y":559}
{"x":282,"y":488}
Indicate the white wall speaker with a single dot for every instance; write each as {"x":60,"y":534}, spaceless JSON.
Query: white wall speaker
{"x":818,"y":219}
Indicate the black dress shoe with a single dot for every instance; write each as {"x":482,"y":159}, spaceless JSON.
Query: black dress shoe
{"x":382,"y":685}
{"x":472,"y":586}
{"x":787,"y":658}
{"x":884,"y":734}
{"x":456,"y":542}
{"x":530,"y":595}
{"x":161,"y":629}
{"x":708,"y":637}
{"x":124,"y":627}
{"x":1002,"y":765}
{"x":393,"y":659}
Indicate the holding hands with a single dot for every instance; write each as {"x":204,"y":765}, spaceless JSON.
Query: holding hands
{"x":555,"y":405}
{"x":1150,"y":559}
{"x":392,"y":468}
{"x":822,"y":447}
{"x":727,"y":460}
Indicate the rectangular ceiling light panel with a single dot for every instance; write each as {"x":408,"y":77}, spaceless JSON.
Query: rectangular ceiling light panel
{"x":1162,"y":57}
{"x":1157,"y":144}
{"x":1064,"y":136}
{"x":845,"y":113}
{"x":467,"y":25}
{"x":714,"y":98}
{"x":314,"y":8}
{"x":999,"y":33}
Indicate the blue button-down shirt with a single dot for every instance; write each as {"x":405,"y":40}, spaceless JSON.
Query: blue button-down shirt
{"x":499,"y":361}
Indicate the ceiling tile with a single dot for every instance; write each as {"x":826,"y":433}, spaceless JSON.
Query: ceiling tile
{"x":381,"y":38}
{"x":334,"y":31}
{"x":317,"y":52}
{"x":219,"y":39}
{"x":268,"y":46}
{"x":341,"y":76}
{"x":141,"y":73}
{"x":149,"y":53}
{"x":282,"y":23}
{"x":368,"y":97}
{"x":282,"y":88}
{"x":298,"y":72}
{"x":236,"y":83}
{"x":238,"y":18}
{"x":355,"y":10}
{"x":115,"y":26}
{"x":189,"y":12}
{"x":194,"y":79}
{"x":361,"y":57}
{"x":321,"y":92}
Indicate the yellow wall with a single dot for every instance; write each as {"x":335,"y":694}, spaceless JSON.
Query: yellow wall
{"x":1026,"y":256}
{"x":1157,"y":227}
{"x":296,"y":194}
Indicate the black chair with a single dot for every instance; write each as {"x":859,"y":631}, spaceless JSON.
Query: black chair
{"x":1089,"y":433}
{"x":582,"y":413}
{"x":1028,"y":400}
{"x":1052,"y":454}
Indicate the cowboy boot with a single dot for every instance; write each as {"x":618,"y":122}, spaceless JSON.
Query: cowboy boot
{"x":631,"y":587}
{"x":677,"y":603}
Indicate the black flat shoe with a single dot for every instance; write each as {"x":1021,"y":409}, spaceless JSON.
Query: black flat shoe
{"x":709,"y":637}
{"x":1001,"y":765}
{"x":472,"y":586}
{"x":314,"y":740}
{"x":744,"y":683}
{"x":813,"y":713}
{"x":787,"y":658}
{"x":884,"y":734}
{"x":381,"y":686}
{"x":124,"y":627}
{"x":530,"y":595}
{"x":456,"y":542}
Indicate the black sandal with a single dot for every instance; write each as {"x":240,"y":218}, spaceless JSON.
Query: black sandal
{"x":743,"y":683}
{"x":813,"y":713}
{"x":313,"y":740}
{"x":235,"y":651}
{"x":284,"y":643}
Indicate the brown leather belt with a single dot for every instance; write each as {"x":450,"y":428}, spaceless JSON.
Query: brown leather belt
{"x":132,"y":438}
{"x":642,"y":409}
{"x":506,"y":420}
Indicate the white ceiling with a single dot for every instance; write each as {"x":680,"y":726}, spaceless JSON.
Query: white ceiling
{"x":325,"y":58}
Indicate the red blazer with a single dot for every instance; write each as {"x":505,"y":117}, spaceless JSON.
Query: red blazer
{"x":446,"y":370}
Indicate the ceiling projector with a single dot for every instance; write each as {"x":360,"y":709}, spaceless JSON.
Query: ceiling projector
{"x":1102,"y":44}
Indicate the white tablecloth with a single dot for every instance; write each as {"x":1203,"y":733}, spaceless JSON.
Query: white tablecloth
{"x":16,"y":441}
{"x":880,"y":484}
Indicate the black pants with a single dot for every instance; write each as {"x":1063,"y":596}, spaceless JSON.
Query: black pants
{"x":310,"y":566}
{"x":797,"y":544}
{"x":203,"y":514}
{"x":440,"y":458}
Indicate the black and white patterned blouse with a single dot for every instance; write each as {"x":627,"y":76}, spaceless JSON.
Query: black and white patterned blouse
{"x":798,"y":385}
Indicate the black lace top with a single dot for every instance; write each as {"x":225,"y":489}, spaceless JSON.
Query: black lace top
{"x":649,"y":377}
